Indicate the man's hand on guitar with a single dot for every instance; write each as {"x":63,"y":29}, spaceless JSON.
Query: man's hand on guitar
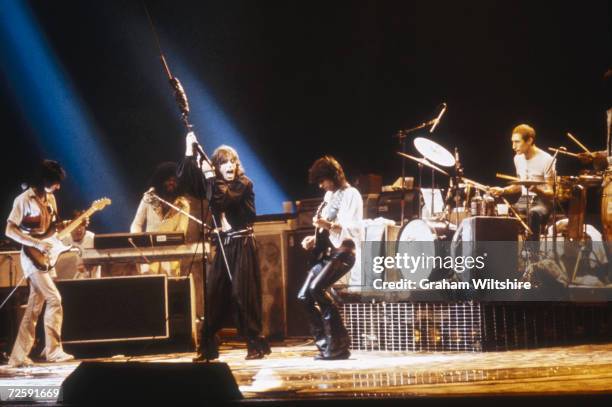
{"x":308,"y":242}
{"x":322,"y":223}
{"x":42,"y":246}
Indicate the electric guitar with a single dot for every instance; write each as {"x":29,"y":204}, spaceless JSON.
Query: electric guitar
{"x":321,"y":237}
{"x":46,"y":261}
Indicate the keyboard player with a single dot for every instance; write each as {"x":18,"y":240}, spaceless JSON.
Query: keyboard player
{"x":154,"y":216}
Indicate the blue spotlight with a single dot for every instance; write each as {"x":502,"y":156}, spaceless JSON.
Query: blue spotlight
{"x":214,"y":128}
{"x":55,"y":114}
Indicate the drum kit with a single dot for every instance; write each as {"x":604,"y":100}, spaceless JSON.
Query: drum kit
{"x":466,"y":197}
{"x":431,"y":226}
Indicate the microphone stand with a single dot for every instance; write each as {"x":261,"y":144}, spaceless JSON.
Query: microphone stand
{"x":552,"y":165}
{"x":402,"y":140}
{"x":183,"y":105}
{"x":401,"y":136}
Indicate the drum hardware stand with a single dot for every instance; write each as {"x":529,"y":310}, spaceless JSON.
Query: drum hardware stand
{"x":583,"y":240}
{"x":585,"y":249}
{"x":401,"y":136}
{"x":433,"y":199}
{"x":456,"y":196}
{"x":552,"y":165}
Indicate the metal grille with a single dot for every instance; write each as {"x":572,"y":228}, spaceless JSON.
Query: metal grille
{"x":418,"y":326}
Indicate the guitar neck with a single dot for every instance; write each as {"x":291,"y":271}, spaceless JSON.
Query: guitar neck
{"x":75,"y":223}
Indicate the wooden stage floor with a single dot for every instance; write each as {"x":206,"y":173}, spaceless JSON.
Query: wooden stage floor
{"x":290,"y":372}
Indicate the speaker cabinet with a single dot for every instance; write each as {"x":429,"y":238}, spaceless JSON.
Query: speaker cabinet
{"x":390,"y":204}
{"x":182,"y":312}
{"x":493,"y":237}
{"x":149,"y":383}
{"x":272,"y":248}
{"x":10,"y":269}
{"x":113,"y":309}
{"x":298,"y":261}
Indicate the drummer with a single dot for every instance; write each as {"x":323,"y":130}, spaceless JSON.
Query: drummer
{"x":531,"y":164}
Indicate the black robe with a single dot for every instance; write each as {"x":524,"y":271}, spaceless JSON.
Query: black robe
{"x":236,"y":199}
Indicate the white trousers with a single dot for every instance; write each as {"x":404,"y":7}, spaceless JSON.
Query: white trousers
{"x":42,"y":290}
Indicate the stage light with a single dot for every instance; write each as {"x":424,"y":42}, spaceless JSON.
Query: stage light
{"x":55,"y":114}
{"x":214,"y":128}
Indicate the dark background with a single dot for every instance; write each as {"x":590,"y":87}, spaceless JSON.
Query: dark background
{"x":302,"y":79}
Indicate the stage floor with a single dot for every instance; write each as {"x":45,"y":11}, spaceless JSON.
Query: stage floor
{"x":290,"y":372}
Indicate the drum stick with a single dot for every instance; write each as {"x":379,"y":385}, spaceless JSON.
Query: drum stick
{"x":517,"y":216}
{"x":556,"y":150}
{"x":579,"y":143}
{"x":476,"y":185}
{"x":508,"y":177}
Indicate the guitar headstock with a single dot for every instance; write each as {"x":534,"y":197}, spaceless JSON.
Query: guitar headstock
{"x":101,"y":204}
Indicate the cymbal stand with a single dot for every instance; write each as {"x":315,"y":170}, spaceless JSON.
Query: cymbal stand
{"x":401,"y":136}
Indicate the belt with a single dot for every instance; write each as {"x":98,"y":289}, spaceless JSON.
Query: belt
{"x":234,"y":234}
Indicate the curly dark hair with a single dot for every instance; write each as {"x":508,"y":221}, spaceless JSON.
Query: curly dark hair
{"x":162,"y":172}
{"x":327,"y":167}
{"x":48,"y":173}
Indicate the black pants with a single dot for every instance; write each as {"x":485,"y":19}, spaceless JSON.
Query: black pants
{"x":243,"y":294}
{"x":539,"y":212}
{"x":538,"y":217}
{"x":326,"y":324}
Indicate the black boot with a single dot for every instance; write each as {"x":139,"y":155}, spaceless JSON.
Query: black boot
{"x":257,"y":348}
{"x":337,"y":338}
{"x":208,"y":349}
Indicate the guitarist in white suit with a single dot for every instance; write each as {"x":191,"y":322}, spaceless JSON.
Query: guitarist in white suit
{"x":34,"y":212}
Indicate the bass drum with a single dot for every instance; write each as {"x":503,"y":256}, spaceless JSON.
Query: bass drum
{"x":422,"y":238}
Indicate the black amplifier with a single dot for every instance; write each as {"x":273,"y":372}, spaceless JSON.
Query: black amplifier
{"x":390,"y":204}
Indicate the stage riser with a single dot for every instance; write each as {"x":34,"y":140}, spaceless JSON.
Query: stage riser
{"x":401,"y":327}
{"x":474,"y":327}
{"x":533,"y":325}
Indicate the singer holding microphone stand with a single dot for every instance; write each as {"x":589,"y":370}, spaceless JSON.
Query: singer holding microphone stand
{"x":235,"y":283}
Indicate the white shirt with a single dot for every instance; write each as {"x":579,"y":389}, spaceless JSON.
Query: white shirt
{"x":537,"y":168}
{"x":25,"y":205}
{"x":350,"y":218}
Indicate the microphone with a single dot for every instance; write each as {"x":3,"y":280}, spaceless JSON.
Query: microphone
{"x":437,"y":119}
{"x":179,"y":94}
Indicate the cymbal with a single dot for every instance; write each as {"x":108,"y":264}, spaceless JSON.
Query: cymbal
{"x":423,"y":161}
{"x":434,"y":152}
{"x":527,"y":182}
